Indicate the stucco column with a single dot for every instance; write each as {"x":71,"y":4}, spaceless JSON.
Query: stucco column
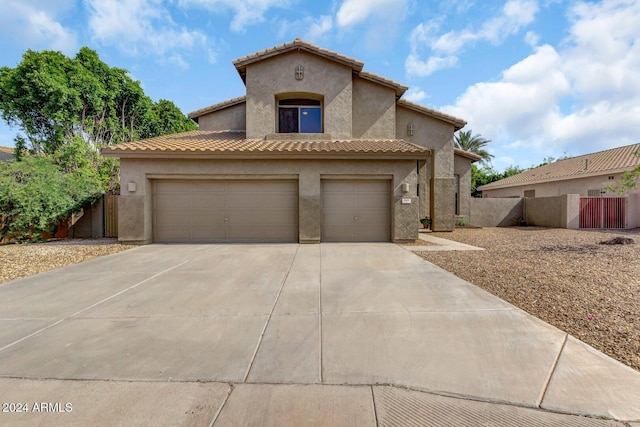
{"x":309,"y":212}
{"x":442,"y":190}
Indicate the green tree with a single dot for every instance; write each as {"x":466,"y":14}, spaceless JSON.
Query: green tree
{"x":628,"y":180}
{"x":474,"y":144}
{"x":52,"y":98}
{"x":487,"y":174}
{"x":163,"y":118}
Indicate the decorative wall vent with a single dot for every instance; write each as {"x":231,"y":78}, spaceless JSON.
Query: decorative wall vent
{"x":410,"y":129}
{"x":299,"y":72}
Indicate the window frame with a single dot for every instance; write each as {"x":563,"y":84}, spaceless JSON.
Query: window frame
{"x":299,"y":103}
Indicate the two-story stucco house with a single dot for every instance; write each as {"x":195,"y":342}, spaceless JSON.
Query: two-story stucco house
{"x":317,"y":150}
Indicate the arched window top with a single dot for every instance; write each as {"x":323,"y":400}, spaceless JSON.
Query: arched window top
{"x":299,"y":101}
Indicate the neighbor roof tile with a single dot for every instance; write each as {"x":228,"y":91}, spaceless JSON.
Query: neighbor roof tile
{"x":602,"y":162}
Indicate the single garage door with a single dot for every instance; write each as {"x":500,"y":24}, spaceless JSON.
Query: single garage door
{"x":355,"y":211}
{"x":225,"y":211}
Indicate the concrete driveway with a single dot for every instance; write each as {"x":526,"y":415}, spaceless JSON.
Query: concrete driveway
{"x":329,"y":334}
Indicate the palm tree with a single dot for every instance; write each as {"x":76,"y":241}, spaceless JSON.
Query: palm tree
{"x":474,"y":144}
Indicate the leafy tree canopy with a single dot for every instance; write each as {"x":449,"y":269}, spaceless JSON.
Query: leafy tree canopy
{"x":52,"y":98}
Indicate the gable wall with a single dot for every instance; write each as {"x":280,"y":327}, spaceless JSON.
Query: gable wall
{"x":231,"y":118}
{"x":267,"y":78}
{"x":374,"y":110}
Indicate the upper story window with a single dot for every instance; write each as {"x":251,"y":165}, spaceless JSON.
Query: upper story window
{"x":298,"y":115}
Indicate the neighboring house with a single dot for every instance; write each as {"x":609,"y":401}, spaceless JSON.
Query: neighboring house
{"x":6,"y":154}
{"x":586,"y":175}
{"x":317,"y":150}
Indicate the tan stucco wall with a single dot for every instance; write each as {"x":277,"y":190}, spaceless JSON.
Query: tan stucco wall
{"x":273,"y":76}
{"x":374,"y":110}
{"x":557,"y":211}
{"x":462,"y":167}
{"x":438,"y":136}
{"x":579,"y":186}
{"x":230,"y":118}
{"x":135,"y":214}
{"x":495,"y":212}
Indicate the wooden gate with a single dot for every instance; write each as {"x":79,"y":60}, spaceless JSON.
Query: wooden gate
{"x":111,"y":216}
{"x":603,"y":212}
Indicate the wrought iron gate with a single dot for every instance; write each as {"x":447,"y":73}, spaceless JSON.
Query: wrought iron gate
{"x":603,"y":212}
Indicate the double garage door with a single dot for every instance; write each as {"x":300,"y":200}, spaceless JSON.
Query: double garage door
{"x":266,"y":211}
{"x":225,"y":211}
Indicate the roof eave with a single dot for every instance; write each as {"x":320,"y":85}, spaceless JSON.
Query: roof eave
{"x":456,"y":122}
{"x":217,"y":107}
{"x":242,"y":155}
{"x":467,"y":154}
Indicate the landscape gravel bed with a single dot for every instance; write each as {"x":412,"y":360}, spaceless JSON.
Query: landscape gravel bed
{"x":22,"y":260}
{"x":565,"y":277}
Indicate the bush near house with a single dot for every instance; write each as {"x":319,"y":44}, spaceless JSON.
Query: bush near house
{"x":41,"y":190}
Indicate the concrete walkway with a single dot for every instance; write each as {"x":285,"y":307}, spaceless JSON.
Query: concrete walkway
{"x":330,"y":334}
{"x":438,"y":244}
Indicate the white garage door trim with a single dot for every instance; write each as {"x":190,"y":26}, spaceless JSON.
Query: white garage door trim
{"x":225,"y":211}
{"x":356,"y":211}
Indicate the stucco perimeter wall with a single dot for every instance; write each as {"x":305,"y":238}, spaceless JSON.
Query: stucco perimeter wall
{"x":374,"y":110}
{"x":579,"y":186}
{"x":494,"y":212}
{"x":438,"y":136}
{"x":462,"y":168}
{"x":558,"y":212}
{"x":231,"y":118}
{"x":633,"y":209}
{"x":135,"y":208}
{"x":268,"y":78}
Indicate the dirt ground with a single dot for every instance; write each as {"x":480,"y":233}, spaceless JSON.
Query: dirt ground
{"x":564,"y":277}
{"x":22,"y":260}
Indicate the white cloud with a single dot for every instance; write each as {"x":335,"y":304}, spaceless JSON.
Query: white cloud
{"x":415,"y":94}
{"x":246,"y":12}
{"x":317,"y":28}
{"x":417,"y":67}
{"x":352,"y":12}
{"x":141,"y":26}
{"x":515,"y":15}
{"x":531,"y":38}
{"x":35,"y":24}
{"x":580,"y":98}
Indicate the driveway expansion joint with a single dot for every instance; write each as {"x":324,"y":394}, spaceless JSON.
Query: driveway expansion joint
{"x":554,"y":365}
{"x":266,"y":323}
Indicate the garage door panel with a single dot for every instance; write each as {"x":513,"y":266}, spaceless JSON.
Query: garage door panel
{"x":356,"y":211}
{"x":225,"y":211}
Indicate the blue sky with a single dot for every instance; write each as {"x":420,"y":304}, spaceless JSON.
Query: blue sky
{"x":538,"y":77}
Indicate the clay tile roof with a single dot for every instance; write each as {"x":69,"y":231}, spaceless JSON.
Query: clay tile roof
{"x":399,"y":87}
{"x":456,"y":122}
{"x":215,"y":107}
{"x":468,"y":154}
{"x":604,"y":162}
{"x":242,"y":62}
{"x":234,"y":144}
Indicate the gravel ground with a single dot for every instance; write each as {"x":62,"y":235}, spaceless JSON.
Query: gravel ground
{"x":22,"y":260}
{"x":564,"y":277}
